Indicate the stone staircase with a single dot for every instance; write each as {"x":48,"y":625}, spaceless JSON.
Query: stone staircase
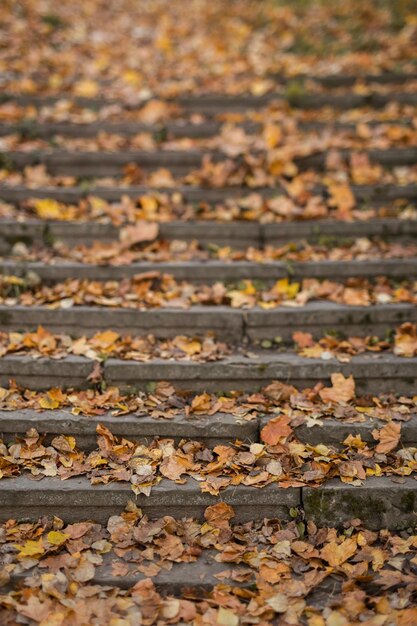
{"x":259,"y":337}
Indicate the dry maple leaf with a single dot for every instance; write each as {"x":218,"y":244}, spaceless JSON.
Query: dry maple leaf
{"x":337,"y":553}
{"x":137,"y":233}
{"x":405,"y":342}
{"x":342,"y":390}
{"x":276,"y":430}
{"x":388,"y":437}
{"x":218,"y":515}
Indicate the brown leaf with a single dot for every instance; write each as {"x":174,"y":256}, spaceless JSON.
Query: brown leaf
{"x":342,"y":391}
{"x":337,"y":553}
{"x":276,"y":429}
{"x":388,"y":437}
{"x":218,"y":515}
{"x":139,"y":232}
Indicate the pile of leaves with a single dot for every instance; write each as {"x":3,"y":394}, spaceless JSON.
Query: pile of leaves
{"x":403,"y":343}
{"x":281,"y":459}
{"x":153,"y":290}
{"x":143,"y":348}
{"x":276,"y":137}
{"x":252,"y":171}
{"x":109,"y":343}
{"x":298,"y":203}
{"x":284,"y":572}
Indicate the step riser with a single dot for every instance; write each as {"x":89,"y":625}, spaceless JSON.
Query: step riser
{"x":366,"y":193}
{"x":373,"y":373}
{"x":231,"y":325}
{"x":85,"y":165}
{"x":335,"y":502}
{"x":226,"y":324}
{"x":238,"y":235}
{"x":34,"y":130}
{"x":216,"y":271}
{"x":218,"y":103}
{"x":200,"y":576}
{"x":212,"y":430}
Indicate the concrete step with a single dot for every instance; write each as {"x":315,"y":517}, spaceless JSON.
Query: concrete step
{"x":208,"y":272}
{"x":237,"y":234}
{"x":373,"y":373}
{"x":363,"y":193}
{"x":211,"y":103}
{"x":200,"y":576}
{"x":102,"y":164}
{"x":76,"y":499}
{"x":212,"y":430}
{"x":231,"y":325}
{"x":31,"y":128}
{"x":318,"y":318}
{"x":335,"y":502}
{"x":335,"y":81}
{"x":224,"y":322}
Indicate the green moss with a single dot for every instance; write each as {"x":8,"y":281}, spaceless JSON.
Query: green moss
{"x":4,"y":318}
{"x":408,"y":502}
{"x":12,"y":239}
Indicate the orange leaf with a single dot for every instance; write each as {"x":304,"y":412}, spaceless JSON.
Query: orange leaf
{"x":343,"y":389}
{"x":276,"y":429}
{"x":388,"y":437}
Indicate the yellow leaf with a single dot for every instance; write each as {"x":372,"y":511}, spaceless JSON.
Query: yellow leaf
{"x":132,"y":78}
{"x":57,"y":538}
{"x":285,"y":288}
{"x":272,"y":135}
{"x":86,"y":88}
{"x":52,"y":399}
{"x":187,"y":345}
{"x":226,"y":617}
{"x":104,"y":341}
{"x":49,"y":209}
{"x":30,"y":548}
{"x":278,"y":602}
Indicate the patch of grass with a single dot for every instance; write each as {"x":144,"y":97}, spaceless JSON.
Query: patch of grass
{"x":53,"y":21}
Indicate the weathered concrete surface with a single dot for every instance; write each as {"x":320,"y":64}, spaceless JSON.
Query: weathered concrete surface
{"x":238,"y":234}
{"x":170,"y":129}
{"x":231,"y":325}
{"x":226,"y":323}
{"x":76,"y":499}
{"x":179,"y":162}
{"x":315,"y":230}
{"x":102,"y":164}
{"x":387,"y":158}
{"x":214,"y":271}
{"x":379,"y":502}
{"x":319,"y":317}
{"x":44,"y":373}
{"x":210,"y":429}
{"x":363,"y":193}
{"x":373,"y":373}
{"x":199,"y":575}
